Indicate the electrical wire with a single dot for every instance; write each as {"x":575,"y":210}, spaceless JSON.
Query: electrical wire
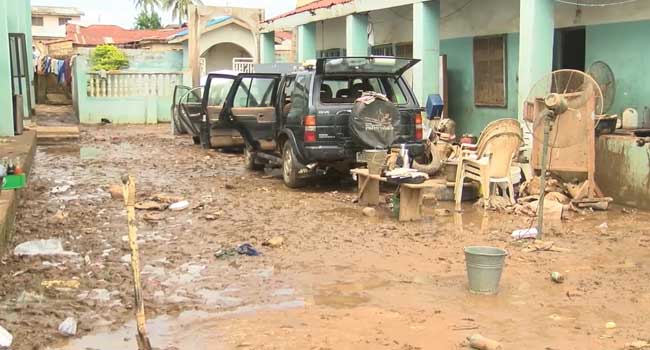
{"x":462,"y":7}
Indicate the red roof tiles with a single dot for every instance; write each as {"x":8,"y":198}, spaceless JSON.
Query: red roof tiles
{"x":310,"y":7}
{"x":98,"y":34}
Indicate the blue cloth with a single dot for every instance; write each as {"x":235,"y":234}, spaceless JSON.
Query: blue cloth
{"x":46,"y":66}
{"x":61,"y":72}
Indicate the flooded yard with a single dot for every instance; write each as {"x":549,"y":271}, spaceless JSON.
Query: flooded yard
{"x":339,"y":280}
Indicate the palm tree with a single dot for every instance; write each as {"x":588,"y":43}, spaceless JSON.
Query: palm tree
{"x":179,"y":7}
{"x":146,"y":4}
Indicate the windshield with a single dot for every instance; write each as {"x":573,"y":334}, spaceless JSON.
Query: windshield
{"x":347,"y":90}
{"x":381,"y":65}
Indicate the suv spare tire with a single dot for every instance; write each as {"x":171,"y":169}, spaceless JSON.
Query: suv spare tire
{"x":374,"y":123}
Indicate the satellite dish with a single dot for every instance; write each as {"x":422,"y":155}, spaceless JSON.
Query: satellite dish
{"x":604,"y":76}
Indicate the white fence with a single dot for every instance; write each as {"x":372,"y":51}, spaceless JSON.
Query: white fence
{"x":243,"y":65}
{"x":130,"y":84}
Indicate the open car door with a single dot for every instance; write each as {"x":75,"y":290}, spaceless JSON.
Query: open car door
{"x":179,"y":91}
{"x":251,"y":106}
{"x":215,"y":92}
{"x":190,"y":111}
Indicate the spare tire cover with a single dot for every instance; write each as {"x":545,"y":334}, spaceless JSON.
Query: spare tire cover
{"x":374,"y":125}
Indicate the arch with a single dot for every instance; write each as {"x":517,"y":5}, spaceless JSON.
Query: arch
{"x":233,"y":33}
{"x":220,"y":55}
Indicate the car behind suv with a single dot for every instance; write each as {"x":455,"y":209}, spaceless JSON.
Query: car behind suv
{"x":304,"y":121}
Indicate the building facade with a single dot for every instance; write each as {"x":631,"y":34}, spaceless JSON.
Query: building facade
{"x":16,"y":73}
{"x":49,"y":22}
{"x":495,"y":50}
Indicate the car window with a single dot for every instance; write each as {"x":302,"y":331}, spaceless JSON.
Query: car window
{"x":345,"y":90}
{"x":287,"y":91}
{"x":254,"y":92}
{"x":395,"y":93}
{"x":219,"y":87}
{"x":300,"y":96}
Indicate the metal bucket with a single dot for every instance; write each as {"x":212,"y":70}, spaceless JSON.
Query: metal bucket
{"x":484,"y":267}
{"x":376,"y":160}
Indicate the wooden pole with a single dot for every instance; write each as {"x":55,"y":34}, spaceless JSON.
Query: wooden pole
{"x":128,"y":189}
{"x":193,"y":45}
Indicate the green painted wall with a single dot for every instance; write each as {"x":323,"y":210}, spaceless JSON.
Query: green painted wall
{"x":356,"y":37}
{"x":267,"y":47}
{"x":6,"y":109}
{"x":460,"y":68}
{"x":306,"y":42}
{"x":426,"y":46}
{"x":18,"y":22}
{"x":625,"y":47}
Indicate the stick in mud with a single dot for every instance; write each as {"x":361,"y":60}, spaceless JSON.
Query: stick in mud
{"x":129,"y":201}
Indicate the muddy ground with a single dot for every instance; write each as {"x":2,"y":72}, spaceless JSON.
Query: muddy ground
{"x":341,"y":280}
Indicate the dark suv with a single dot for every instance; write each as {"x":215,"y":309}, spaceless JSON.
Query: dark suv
{"x":301,"y":120}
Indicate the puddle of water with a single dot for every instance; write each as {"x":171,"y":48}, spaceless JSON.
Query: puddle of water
{"x":191,"y":329}
{"x":84,"y":153}
{"x":89,"y":153}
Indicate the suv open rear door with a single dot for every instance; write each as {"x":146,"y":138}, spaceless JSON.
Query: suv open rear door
{"x":375,"y":65}
{"x":251,"y":108}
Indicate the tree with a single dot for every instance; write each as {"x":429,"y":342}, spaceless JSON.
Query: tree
{"x":179,"y":8}
{"x":146,"y":4}
{"x":108,"y":57}
{"x":147,"y":20}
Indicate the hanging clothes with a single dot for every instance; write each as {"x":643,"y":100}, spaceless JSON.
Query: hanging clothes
{"x":62,"y":69}
{"x":46,"y":65}
{"x":67,"y":63}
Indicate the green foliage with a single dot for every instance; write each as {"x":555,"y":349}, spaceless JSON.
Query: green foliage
{"x":108,"y":57}
{"x":146,"y":4}
{"x":179,"y":7}
{"x":147,"y":20}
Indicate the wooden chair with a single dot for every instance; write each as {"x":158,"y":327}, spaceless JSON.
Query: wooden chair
{"x":490,"y":164}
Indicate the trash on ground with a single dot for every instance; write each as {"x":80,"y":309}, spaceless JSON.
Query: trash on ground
{"x":442,"y":212}
{"x":638,"y":344}
{"x":274,"y":242}
{"x":370,"y":212}
{"x":41,"y":247}
{"x":525,"y":233}
{"x":152,"y":216}
{"x":479,"y":342}
{"x":5,"y":338}
{"x":26,"y":297}
{"x":610,"y":325}
{"x":151,"y":205}
{"x":543,"y":246}
{"x":247,"y":249}
{"x":69,"y":284}
{"x":224,"y":253}
{"x":60,"y":189}
{"x":177,"y":206}
{"x":557,"y":277}
{"x":68,"y":327}
{"x":574,"y":293}
{"x":116,"y":191}
{"x":603,"y":226}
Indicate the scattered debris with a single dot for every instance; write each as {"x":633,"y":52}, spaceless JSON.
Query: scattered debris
{"x":151,"y":205}
{"x":41,"y":247}
{"x":574,"y":293}
{"x":540,"y":246}
{"x":247,"y":249}
{"x":479,"y":342}
{"x":177,"y":206}
{"x":274,"y":242}
{"x":228,"y":186}
{"x":369,"y":211}
{"x":603,"y":226}
{"x":610,"y":325}
{"x":68,"y":327}
{"x":116,"y":191}
{"x":442,"y":212}
{"x":5,"y":338}
{"x":210,"y":217}
{"x":224,"y":253}
{"x":525,"y":233}
{"x":69,"y":284}
{"x":557,"y":277}
{"x":638,"y":344}
{"x":26,"y":297}
{"x":60,"y":189}
{"x":152,"y":216}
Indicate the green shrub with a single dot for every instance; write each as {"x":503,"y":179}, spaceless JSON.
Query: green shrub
{"x":108,"y":57}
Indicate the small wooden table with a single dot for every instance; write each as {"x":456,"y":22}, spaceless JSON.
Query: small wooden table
{"x":410,"y":207}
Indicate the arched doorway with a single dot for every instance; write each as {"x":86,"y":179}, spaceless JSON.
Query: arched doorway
{"x":220,"y":56}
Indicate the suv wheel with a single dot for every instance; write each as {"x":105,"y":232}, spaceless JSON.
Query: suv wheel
{"x":250,"y":161}
{"x":290,"y":167}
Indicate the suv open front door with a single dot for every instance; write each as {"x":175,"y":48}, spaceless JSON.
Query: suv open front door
{"x":215,"y":93}
{"x":251,"y":107}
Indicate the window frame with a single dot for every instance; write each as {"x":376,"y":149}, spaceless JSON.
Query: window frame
{"x":66,"y":19}
{"x":386,"y":50}
{"x":38,"y":23}
{"x":482,"y":101}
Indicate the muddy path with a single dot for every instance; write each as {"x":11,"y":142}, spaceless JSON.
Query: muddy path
{"x":340,"y":280}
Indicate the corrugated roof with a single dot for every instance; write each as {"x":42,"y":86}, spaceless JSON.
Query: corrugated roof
{"x":98,"y":34}
{"x":320,"y":4}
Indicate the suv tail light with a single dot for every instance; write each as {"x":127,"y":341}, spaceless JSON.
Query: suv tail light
{"x":418,"y":127}
{"x":310,"y":128}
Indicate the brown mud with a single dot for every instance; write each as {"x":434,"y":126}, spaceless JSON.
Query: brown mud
{"x":341,"y":280}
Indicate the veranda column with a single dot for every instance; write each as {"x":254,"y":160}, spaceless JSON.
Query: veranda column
{"x":267,"y":47}
{"x":6,"y":109}
{"x":426,"y":46}
{"x":306,"y":42}
{"x":356,"y":35}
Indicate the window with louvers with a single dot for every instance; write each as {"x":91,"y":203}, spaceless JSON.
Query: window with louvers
{"x":490,"y":71}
